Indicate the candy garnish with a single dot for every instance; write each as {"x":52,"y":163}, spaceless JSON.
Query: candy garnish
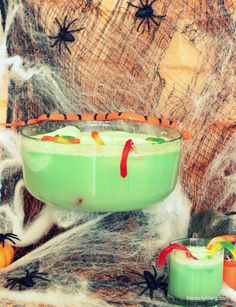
{"x":96,"y":137}
{"x":129,"y":146}
{"x":74,"y":141}
{"x":69,"y":137}
{"x":167,"y":250}
{"x":61,"y":139}
{"x":228,"y":238}
{"x":223,"y":244}
{"x":48,"y":138}
{"x":156,"y":140}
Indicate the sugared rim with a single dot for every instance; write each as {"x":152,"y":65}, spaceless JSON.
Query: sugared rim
{"x":96,"y":123}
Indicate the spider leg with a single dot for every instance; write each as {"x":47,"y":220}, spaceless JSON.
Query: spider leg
{"x":152,"y":2}
{"x":138,"y":274}
{"x":141,"y":22}
{"x":159,"y":280}
{"x":53,"y":36}
{"x":10,"y":234}
{"x":11,"y":283}
{"x":39,"y":277}
{"x":27,"y":273}
{"x":137,"y":283}
{"x":11,"y":279}
{"x":67,"y":47}
{"x":143,"y":291}
{"x":160,"y":17}
{"x":55,"y":43}
{"x":148,"y":23}
{"x":60,"y":42}
{"x":78,"y":30}
{"x":71,"y":23}
{"x":58,"y":22}
{"x":40,"y":274}
{"x":141,"y":2}
{"x":64,"y":23}
{"x":151,"y":293}
{"x":156,"y":23}
{"x":165,"y":292}
{"x":155,"y":272}
{"x":130,"y":4}
{"x":9,"y":239}
{"x":35,"y":272}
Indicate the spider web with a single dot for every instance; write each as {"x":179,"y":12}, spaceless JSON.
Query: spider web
{"x":178,"y":70}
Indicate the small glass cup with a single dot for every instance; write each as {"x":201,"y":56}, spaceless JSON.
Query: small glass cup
{"x":193,"y":282}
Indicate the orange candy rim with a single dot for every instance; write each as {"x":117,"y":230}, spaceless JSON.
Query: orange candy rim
{"x":156,"y":121}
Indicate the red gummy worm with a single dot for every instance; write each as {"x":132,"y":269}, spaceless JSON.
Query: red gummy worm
{"x":166,"y":251}
{"x":129,"y":146}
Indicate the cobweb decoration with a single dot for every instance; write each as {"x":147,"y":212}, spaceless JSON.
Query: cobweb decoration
{"x":91,"y":258}
{"x":91,"y":245}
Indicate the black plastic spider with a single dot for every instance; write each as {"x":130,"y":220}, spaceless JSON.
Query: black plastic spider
{"x":26,"y":280}
{"x":8,"y":236}
{"x":146,"y":12}
{"x":152,"y":282}
{"x":65,"y":35}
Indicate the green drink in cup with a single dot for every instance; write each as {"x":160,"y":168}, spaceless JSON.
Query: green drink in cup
{"x":193,"y":282}
{"x":89,"y":175}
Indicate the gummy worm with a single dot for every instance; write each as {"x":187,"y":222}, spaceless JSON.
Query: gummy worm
{"x":223,"y":244}
{"x":129,"y":146}
{"x":228,"y":238}
{"x":61,"y":139}
{"x":96,"y":137}
{"x":166,"y":251}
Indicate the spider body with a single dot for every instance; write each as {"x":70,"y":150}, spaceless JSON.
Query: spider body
{"x":26,"y":281}
{"x":146,"y":13}
{"x":152,"y":282}
{"x":65,"y":35}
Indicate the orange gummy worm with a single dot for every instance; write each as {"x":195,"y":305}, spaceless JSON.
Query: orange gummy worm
{"x":96,"y":137}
